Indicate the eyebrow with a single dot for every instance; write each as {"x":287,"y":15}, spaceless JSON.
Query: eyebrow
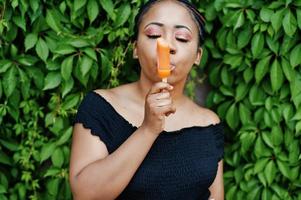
{"x":161,"y":25}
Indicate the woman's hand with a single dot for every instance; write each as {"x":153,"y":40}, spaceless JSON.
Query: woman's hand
{"x":158,"y":104}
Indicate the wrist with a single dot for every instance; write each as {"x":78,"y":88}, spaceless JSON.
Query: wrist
{"x":148,"y":132}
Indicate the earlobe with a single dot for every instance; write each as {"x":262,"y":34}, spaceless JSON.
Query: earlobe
{"x":135,"y":55}
{"x":198,"y":56}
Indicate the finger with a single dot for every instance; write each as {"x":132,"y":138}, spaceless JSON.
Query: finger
{"x":158,"y":87}
{"x":172,"y":111}
{"x":159,"y":96}
{"x":164,"y":102}
{"x":165,"y":110}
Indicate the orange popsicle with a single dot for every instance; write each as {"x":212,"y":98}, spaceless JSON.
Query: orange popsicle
{"x":163,"y":59}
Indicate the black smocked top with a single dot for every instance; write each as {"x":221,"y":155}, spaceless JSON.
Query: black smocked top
{"x":181,"y":164}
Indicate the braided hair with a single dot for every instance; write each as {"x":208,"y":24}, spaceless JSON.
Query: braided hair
{"x":196,"y":15}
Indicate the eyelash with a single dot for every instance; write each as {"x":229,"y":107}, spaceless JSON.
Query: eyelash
{"x":157,"y":36}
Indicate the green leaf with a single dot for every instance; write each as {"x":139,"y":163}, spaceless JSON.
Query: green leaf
{"x":108,"y":6}
{"x":27,"y":60}
{"x":240,"y":20}
{"x":270,"y":172}
{"x":289,"y":23}
{"x":91,"y":53}
{"x":260,"y":149}
{"x":57,"y":157}
{"x":34,"y":4}
{"x":42,"y":49}
{"x":257,"y":96}
{"x":277,"y":135}
{"x":244,"y":37}
{"x":266,"y":14}
{"x":295,"y":56}
{"x":30,"y":40}
{"x":85,"y":65}
{"x":106,"y":67}
{"x":4,"y":159}
{"x":93,"y":10}
{"x":52,"y":80}
{"x":232,"y":117}
{"x":65,"y":137}
{"x":266,"y":194}
{"x":10,"y":81}
{"x":2,"y":191}
{"x":66,"y":69}
{"x":284,"y":168}
{"x":37,"y":76}
{"x":53,"y":20}
{"x":247,"y":140}
{"x":5,"y":65}
{"x":10,"y":144}
{"x":276,"y":19}
{"x":250,"y":15}
{"x":273,"y":44}
{"x":53,"y":186}
{"x":64,"y":49}
{"x":233,"y":60}
{"x":79,"y":43}
{"x":78,"y":4}
{"x":244,"y":113}
{"x":70,"y":101}
{"x":241,"y":91}
{"x":276,"y":76}
{"x":25,"y":82}
{"x":47,"y":151}
{"x":262,"y":68}
{"x":287,"y":69}
{"x":67,"y":86}
{"x":260,"y":164}
{"x":248,"y":74}
{"x":226,"y":76}
{"x":123,"y":14}
{"x":20,"y":22}
{"x":230,"y":194}
{"x":257,"y":44}
{"x":266,"y":136}
{"x":52,"y":171}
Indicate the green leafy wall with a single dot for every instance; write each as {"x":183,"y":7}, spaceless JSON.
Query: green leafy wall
{"x":52,"y":52}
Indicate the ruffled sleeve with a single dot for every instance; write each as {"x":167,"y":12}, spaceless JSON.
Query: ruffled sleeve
{"x":92,"y":115}
{"x":219,"y":141}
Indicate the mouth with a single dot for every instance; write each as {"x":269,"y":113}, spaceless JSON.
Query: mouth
{"x":172,"y":66}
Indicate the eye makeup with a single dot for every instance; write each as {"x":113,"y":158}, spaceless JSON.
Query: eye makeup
{"x":183,"y":35}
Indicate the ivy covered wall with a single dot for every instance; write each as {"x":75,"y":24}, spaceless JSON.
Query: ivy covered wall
{"x":52,"y":52}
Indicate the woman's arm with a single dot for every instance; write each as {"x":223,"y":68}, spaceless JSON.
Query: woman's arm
{"x":217,"y":187}
{"x":96,"y":175}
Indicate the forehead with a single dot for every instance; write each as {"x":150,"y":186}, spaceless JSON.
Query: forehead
{"x":169,"y":13}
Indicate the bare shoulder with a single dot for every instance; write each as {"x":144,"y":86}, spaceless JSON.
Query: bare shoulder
{"x":113,"y":93}
{"x":204,"y":115}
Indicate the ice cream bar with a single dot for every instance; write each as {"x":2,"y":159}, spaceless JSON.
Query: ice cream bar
{"x":163,"y":59}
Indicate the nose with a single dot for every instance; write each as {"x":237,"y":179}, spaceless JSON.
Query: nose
{"x":172,"y":47}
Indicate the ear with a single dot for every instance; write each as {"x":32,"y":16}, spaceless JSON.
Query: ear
{"x":198,"y":56}
{"x":135,"y":55}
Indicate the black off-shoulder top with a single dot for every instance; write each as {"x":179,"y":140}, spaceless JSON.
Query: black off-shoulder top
{"x":181,"y":164}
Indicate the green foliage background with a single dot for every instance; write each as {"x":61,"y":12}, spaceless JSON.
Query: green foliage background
{"x":52,"y":52}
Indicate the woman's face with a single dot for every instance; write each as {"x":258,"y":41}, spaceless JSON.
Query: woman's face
{"x":174,"y":23}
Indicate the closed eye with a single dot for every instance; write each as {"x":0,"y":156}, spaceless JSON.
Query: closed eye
{"x":153,"y":36}
{"x":182,"y":40}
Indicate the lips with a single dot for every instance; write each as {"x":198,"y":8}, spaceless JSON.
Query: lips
{"x":172,"y":67}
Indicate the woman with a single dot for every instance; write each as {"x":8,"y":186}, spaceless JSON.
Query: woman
{"x":147,"y":140}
